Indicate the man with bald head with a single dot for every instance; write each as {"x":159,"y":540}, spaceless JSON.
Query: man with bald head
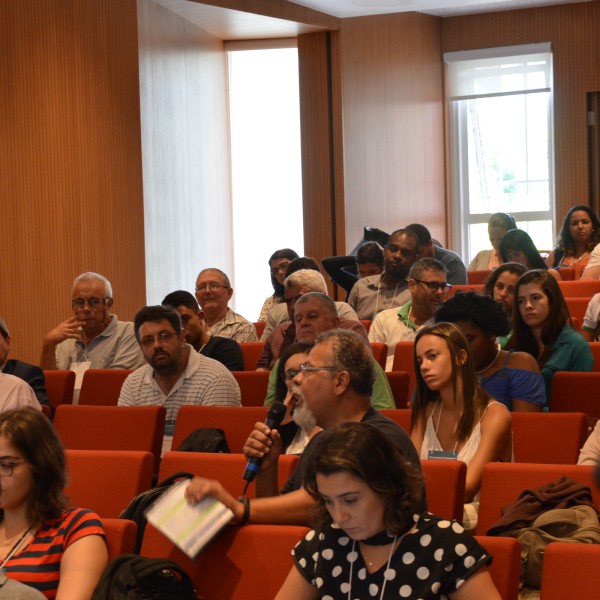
{"x":213,"y":292}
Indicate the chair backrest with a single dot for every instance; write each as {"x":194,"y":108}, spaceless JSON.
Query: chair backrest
{"x":260,"y":327}
{"x":506,"y":567}
{"x":567,"y":273}
{"x":579,"y":288}
{"x":570,"y":571}
{"x":404,"y":361}
{"x":380,"y":350}
{"x":399,"y":381}
{"x":105,"y":481}
{"x":253,"y":386}
{"x":120,"y":536}
{"x":577,"y":307}
{"x":366,"y":323}
{"x":550,"y":438}
{"x":101,"y":387}
{"x":112,"y":428}
{"x":501,"y":483}
{"x":477,"y":277}
{"x":585,"y":400}
{"x":595,"y":348}
{"x":226,"y":468}
{"x":237,"y":563}
{"x":251,"y":352}
{"x":471,"y":287}
{"x":59,"y":387}
{"x":400,"y":416}
{"x":236,"y":422}
{"x":445,"y":487}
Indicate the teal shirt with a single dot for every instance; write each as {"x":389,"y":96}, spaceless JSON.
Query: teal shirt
{"x":382,"y":396}
{"x":570,"y":352}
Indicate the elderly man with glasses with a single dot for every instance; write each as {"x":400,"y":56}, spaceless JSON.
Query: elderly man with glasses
{"x":213,"y":292}
{"x":93,"y":337}
{"x":427,"y":286}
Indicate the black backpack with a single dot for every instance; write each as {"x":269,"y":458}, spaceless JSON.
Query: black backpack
{"x":205,"y":439}
{"x":138,"y":506}
{"x":132,"y":577}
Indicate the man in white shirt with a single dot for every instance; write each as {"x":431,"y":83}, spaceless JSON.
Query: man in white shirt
{"x":427,"y":285}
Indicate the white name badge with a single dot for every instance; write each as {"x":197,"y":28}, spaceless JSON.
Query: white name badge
{"x":442,"y":455}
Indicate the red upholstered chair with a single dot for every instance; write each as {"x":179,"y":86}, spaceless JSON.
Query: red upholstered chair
{"x":226,"y":468}
{"x":400,"y":416}
{"x":506,"y":567}
{"x":236,"y":422}
{"x":501,"y":483}
{"x":120,"y":536}
{"x":380,"y":351}
{"x":251,"y":352}
{"x":101,"y":387}
{"x":576,"y":392}
{"x":445,"y":487}
{"x":112,"y":428}
{"x":59,"y":387}
{"x":595,"y":348}
{"x":404,"y":361}
{"x":260,"y":327}
{"x":580,"y":289}
{"x":366,"y":324}
{"x":253,"y":386}
{"x":477,"y":277}
{"x":399,"y":381}
{"x":567,"y":273}
{"x":550,"y":438}
{"x":471,"y":287}
{"x":105,"y":481}
{"x":570,"y":571}
{"x":251,"y":561}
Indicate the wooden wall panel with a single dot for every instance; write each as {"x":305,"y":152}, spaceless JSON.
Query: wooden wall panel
{"x":71,"y":184}
{"x":573,"y":31}
{"x":393,"y":123}
{"x":185,"y":143}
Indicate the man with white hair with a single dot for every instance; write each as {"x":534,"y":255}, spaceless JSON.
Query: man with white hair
{"x":92,"y":337}
{"x":284,"y":334}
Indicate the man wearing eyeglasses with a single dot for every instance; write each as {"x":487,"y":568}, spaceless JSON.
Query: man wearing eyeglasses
{"x":213,"y":292}
{"x":175,"y":374}
{"x":427,"y":286}
{"x":92,"y":337}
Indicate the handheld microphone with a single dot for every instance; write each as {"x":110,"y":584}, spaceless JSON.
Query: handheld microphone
{"x":274,"y":418}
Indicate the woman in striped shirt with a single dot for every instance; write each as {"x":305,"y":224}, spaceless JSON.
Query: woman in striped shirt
{"x":44,"y":543}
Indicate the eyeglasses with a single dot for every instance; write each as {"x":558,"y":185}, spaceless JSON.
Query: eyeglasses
{"x":290,"y":374}
{"x":305,"y":369}
{"x":7,"y":468}
{"x":434,"y":286}
{"x":91,"y":302}
{"x":163,"y":337}
{"x":213,"y":287}
{"x":280,"y":269}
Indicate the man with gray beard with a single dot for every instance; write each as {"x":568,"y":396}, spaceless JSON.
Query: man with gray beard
{"x":334,"y":385}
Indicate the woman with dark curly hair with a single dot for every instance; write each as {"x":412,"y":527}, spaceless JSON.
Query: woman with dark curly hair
{"x":370,"y":539}
{"x":56,"y":549}
{"x":512,"y":378}
{"x":579,"y":234}
{"x":542,"y":328}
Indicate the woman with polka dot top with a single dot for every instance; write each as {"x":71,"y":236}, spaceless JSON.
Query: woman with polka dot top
{"x":369,"y":540}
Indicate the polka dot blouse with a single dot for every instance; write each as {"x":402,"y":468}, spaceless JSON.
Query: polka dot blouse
{"x":433,"y":560}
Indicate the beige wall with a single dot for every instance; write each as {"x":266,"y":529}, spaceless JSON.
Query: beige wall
{"x":70,"y":176}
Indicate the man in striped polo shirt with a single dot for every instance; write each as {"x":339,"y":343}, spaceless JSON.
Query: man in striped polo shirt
{"x":175,"y":374}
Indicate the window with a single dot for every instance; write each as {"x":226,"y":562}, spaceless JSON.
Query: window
{"x":501,"y":142}
{"x":265,"y":166}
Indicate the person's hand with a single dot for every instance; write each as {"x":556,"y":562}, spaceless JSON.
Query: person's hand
{"x":263,"y":443}
{"x":69,"y":329}
{"x":289,"y":401}
{"x":199,"y":488}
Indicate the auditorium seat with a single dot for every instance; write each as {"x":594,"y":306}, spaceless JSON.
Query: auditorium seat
{"x":260,"y":327}
{"x":506,"y":566}
{"x":380,"y":351}
{"x":404,"y":361}
{"x":445,"y":486}
{"x":579,"y":288}
{"x":251,"y":352}
{"x":576,"y":392}
{"x":471,"y":287}
{"x":501,"y":483}
{"x":251,"y":561}
{"x":236,"y":422}
{"x":105,"y":481}
{"x":101,"y":387}
{"x":253,"y":386}
{"x":59,"y":387}
{"x":595,"y":348}
{"x":399,"y":381}
{"x":400,"y":416}
{"x":478,"y":276}
{"x":577,"y":308}
{"x":551,"y":438}
{"x":120,"y":536}
{"x":112,"y":428}
{"x":226,"y":468}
